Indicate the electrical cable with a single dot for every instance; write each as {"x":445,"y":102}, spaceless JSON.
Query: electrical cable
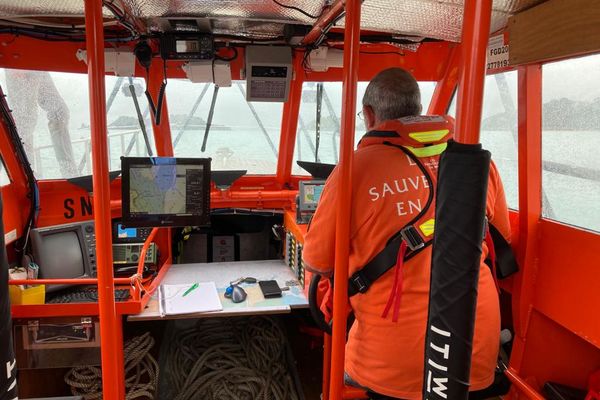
{"x":24,"y":162}
{"x":29,"y":22}
{"x":121,"y":17}
{"x":301,"y":11}
{"x":229,"y":359}
{"x":55,"y":36}
{"x":156,"y":109}
{"x":141,"y":373}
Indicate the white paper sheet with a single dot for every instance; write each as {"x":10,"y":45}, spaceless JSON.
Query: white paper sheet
{"x":203,"y":298}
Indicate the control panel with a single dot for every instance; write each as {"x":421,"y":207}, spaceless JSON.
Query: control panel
{"x":129,"y":235}
{"x":293,"y":256}
{"x":129,"y":253}
{"x":309,"y":194}
{"x":89,"y":237}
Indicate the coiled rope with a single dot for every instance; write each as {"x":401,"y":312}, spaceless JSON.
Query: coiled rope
{"x":141,"y":373}
{"x":230,"y":359}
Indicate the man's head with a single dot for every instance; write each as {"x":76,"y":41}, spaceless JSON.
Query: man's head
{"x":392,"y":94}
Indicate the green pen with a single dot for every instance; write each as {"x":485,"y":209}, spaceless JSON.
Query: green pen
{"x":194,"y":286}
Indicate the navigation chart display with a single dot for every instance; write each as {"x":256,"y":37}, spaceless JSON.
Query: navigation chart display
{"x":310,"y":194}
{"x":166,"y":191}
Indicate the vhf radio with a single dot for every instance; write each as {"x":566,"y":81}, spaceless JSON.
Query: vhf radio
{"x":128,"y":243}
{"x":129,"y":253}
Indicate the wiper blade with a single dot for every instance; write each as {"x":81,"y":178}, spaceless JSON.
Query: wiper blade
{"x":210,"y":117}
{"x":318,"y":120}
{"x":140,"y":117}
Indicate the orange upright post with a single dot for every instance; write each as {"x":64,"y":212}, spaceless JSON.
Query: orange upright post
{"x":530,"y":203}
{"x":289,"y":126}
{"x":444,"y":90}
{"x":344,"y":198}
{"x":475,"y":37}
{"x":112,"y":381}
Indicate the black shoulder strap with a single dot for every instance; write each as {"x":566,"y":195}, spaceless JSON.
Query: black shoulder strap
{"x":362,"y":279}
{"x":506,"y":263}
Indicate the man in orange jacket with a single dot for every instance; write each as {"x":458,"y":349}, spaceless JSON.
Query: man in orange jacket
{"x":385,"y":351}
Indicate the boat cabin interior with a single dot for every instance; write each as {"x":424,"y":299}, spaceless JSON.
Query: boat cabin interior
{"x":162,"y":161}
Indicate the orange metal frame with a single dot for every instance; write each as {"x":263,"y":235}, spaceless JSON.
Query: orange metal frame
{"x":538,"y":315}
{"x":476,"y":28}
{"x":344,"y":198}
{"x":111,"y":331}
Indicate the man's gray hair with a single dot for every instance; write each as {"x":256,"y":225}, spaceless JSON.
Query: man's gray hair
{"x":393,"y":93}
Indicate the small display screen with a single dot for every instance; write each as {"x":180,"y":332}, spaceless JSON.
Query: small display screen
{"x":312,"y":194}
{"x":269,"y":72}
{"x":126,"y":233}
{"x":187,"y":46}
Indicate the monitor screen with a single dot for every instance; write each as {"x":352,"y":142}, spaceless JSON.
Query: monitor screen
{"x":161,"y":191}
{"x":66,"y":263}
{"x":126,"y":233}
{"x":310,"y":194}
{"x":64,"y":251}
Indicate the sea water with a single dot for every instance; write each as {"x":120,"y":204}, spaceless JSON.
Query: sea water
{"x":566,"y":198}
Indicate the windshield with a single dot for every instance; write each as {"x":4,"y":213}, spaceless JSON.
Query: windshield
{"x":243,"y":135}
{"x":51,"y":112}
{"x":323,"y":145}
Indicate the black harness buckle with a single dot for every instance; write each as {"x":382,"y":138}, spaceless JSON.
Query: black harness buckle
{"x":359,"y":282}
{"x":412,"y":238}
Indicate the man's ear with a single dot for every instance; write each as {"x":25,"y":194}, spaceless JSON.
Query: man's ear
{"x":370,"y":119}
{"x":420,"y":109}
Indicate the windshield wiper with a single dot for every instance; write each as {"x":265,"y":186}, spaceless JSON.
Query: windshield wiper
{"x":213,"y":102}
{"x":318,"y":120}
{"x":140,"y":117}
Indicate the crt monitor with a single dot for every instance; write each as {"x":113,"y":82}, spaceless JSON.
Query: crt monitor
{"x":64,"y":251}
{"x":165,"y":191}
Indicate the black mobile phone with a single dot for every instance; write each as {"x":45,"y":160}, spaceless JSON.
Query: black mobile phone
{"x":270,"y":289}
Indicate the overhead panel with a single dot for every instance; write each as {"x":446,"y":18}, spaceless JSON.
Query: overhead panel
{"x":438,"y":19}
{"x":250,"y":9}
{"x":42,"y":8}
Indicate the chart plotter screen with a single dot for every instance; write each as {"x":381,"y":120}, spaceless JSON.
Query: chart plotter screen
{"x":310,"y":194}
{"x":166,"y":191}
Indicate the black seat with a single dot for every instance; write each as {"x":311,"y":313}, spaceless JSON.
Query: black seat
{"x":7,"y":355}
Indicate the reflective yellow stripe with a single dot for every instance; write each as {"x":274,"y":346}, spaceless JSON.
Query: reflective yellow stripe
{"x":427,"y":227}
{"x":429,"y":136}
{"x":429,"y":150}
